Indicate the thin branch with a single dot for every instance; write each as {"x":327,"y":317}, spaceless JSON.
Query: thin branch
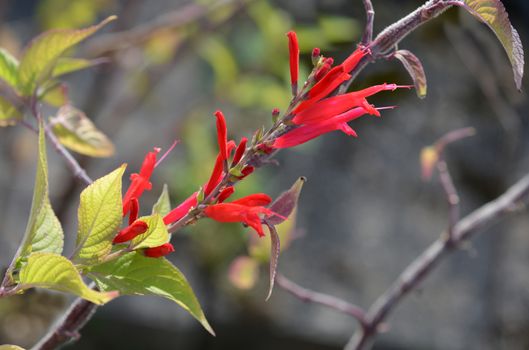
{"x":307,"y":295}
{"x":415,"y":273}
{"x":452,"y":197}
{"x":367,"y":37}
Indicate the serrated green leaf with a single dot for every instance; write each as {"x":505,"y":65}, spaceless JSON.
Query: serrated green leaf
{"x":10,"y":347}
{"x":43,"y":231}
{"x":134,"y":274}
{"x":414,"y":68}
{"x":8,"y":68}
{"x":100,"y":213}
{"x":52,"y":271}
{"x":163,"y":204}
{"x":493,"y":14}
{"x":41,"y":55}
{"x":9,"y":114}
{"x":66,"y":65}
{"x":156,"y":234}
{"x":78,"y":133}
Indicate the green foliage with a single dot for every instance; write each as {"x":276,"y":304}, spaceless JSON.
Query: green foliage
{"x":77,"y":132}
{"x":134,"y":274}
{"x":52,"y":271}
{"x":100,"y":213}
{"x":163,"y":204}
{"x":8,"y":68}
{"x":156,"y":234}
{"x":493,"y":14}
{"x":43,"y":231}
{"x":10,"y":347}
{"x":67,"y":65}
{"x":41,"y":55}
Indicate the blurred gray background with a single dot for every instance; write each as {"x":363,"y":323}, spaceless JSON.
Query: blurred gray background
{"x":364,"y":213}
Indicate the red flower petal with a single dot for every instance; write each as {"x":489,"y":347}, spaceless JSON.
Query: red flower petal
{"x":293,"y":49}
{"x":239,"y":151}
{"x":134,"y":209}
{"x":225,"y":194}
{"x":222,"y":135}
{"x":130,"y":232}
{"x":157,"y":252}
{"x":181,"y":210}
{"x":254,"y":200}
{"x":351,"y":62}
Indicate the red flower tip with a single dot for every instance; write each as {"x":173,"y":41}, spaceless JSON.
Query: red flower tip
{"x":239,"y":151}
{"x":148,"y":163}
{"x":254,"y":200}
{"x":293,"y":48}
{"x":157,"y":252}
{"x":181,"y":210}
{"x":265,"y":148}
{"x":134,"y":209}
{"x":131,"y":231}
{"x":222,"y":135}
{"x":352,"y":61}
{"x":276,"y":112}
{"x":316,"y":52}
{"x":225,"y":194}
{"x":322,"y":71}
{"x":247,"y":170}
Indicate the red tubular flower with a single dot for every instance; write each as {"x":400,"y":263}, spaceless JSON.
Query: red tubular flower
{"x":352,"y":61}
{"x":332,"y":106}
{"x":293,"y":49}
{"x":308,"y":132}
{"x":130,"y":232}
{"x":134,"y":209}
{"x":140,"y":182}
{"x":247,"y":170}
{"x":157,"y":252}
{"x":239,"y":151}
{"x":181,"y":210}
{"x":254,"y":200}
{"x":225,"y":194}
{"x":233,"y":212}
{"x":222,"y":135}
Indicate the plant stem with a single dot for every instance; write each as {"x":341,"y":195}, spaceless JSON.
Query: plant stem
{"x":415,"y":273}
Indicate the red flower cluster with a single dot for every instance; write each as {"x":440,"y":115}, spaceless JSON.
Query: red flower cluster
{"x":140,"y":183}
{"x":247,"y":210}
{"x":318,"y":113}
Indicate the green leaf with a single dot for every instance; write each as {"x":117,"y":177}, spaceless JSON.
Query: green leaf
{"x":100,"y":213}
{"x":66,"y":65}
{"x":9,"y":114}
{"x":163,"y":204}
{"x":55,"y":94}
{"x":41,"y":55}
{"x":156,"y":234}
{"x":493,"y":14}
{"x":414,"y":67}
{"x":52,"y":271}
{"x":43,"y":231}
{"x":134,"y":274}
{"x":10,"y":347}
{"x":77,"y":132}
{"x":8,"y":68}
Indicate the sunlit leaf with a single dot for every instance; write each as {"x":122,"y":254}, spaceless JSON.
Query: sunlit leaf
{"x":163,"y":204}
{"x":41,"y":55}
{"x":156,"y":234}
{"x":243,"y":272}
{"x":77,"y":132}
{"x":55,"y":95}
{"x":134,"y":274}
{"x":9,"y":114}
{"x":100,"y":213}
{"x":43,"y":231}
{"x":492,"y":13}
{"x":10,"y":347}
{"x":67,"y":65}
{"x":414,"y":67}
{"x":52,"y":271}
{"x":8,"y":68}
